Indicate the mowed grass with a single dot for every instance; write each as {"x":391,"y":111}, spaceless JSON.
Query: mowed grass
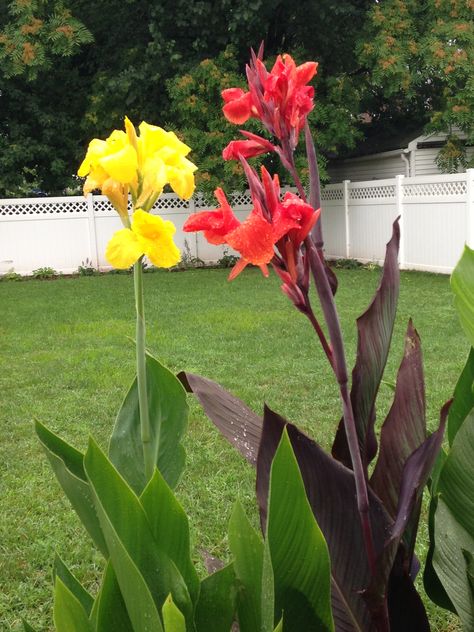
{"x":67,"y":359}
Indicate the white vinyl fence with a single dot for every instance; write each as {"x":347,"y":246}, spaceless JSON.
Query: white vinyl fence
{"x":437,"y":218}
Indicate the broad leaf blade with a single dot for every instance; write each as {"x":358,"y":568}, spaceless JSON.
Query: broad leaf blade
{"x":246,"y":547}
{"x":298,"y":551}
{"x":463,"y":401}
{"x":67,"y":464}
{"x":72,"y":583}
{"x":404,"y":429}
{"x":414,"y":477}
{"x":173,"y":619}
{"x":329,"y":486}
{"x":237,"y":423}
{"x":462,"y":284}
{"x":456,"y":481}
{"x":146,"y":575}
{"x":27,"y":627}
{"x":170,"y":528}
{"x":268,"y":590}
{"x":168,"y":412}
{"x":216,"y":606}
{"x":450,"y":562}
{"x":69,"y":615}
{"x":109,"y":611}
{"x":431,"y":582}
{"x":374,"y":329}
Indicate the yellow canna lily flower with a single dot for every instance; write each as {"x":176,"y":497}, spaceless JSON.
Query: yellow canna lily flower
{"x":148,"y":235}
{"x":141,"y":164}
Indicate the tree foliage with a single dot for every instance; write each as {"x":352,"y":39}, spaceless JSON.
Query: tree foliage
{"x":420,"y":57}
{"x":35,"y":32}
{"x":405,"y":62}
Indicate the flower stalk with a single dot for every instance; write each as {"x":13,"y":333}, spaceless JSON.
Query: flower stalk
{"x":145,"y":426}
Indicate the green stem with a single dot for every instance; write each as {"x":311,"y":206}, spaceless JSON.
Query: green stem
{"x":148,"y":453}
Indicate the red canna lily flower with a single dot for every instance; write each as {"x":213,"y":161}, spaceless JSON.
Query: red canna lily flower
{"x":279,"y":98}
{"x":215,"y":224}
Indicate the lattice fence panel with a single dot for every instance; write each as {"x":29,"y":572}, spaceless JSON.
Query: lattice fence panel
{"x":332,"y":195}
{"x":435,"y":189}
{"x":64,"y":207}
{"x":372,"y":193}
{"x":241,"y":199}
{"x":170,"y":202}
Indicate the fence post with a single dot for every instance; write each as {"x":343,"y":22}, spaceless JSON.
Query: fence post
{"x":399,"y":212}
{"x":93,"y":251}
{"x":192,"y":209}
{"x":470,"y":207}
{"x":345,"y":197}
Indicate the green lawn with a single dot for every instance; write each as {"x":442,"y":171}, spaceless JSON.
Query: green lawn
{"x":67,"y":359}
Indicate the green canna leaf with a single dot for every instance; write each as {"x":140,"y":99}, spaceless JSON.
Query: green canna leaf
{"x":168,"y":412}
{"x":69,"y":615}
{"x":109,"y":611}
{"x":173,"y":619}
{"x":80,"y":593}
{"x":463,"y":401}
{"x":145,"y":574}
{"x":298,"y":550}
{"x":67,"y":464}
{"x":170,"y":528}
{"x":215,"y":609}
{"x":462,"y":284}
{"x":246,"y":547}
{"x":450,"y":563}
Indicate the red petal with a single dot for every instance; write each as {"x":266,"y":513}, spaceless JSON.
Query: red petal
{"x":245,"y":148}
{"x":306,"y":72}
{"x":238,"y":110}
{"x":231,"y":94}
{"x":237,"y":269}
{"x":253,"y":239}
{"x":215,"y":224}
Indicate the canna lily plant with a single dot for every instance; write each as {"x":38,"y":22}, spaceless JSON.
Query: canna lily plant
{"x":366,"y":496}
{"x":124,"y":497}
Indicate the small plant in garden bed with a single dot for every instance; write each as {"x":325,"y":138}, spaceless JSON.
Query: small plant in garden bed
{"x":45,"y":273}
{"x":87,"y":268}
{"x":227,"y":260}
{"x":11,"y":276}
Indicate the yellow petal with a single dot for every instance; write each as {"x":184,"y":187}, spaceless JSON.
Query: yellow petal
{"x":156,"y":239}
{"x":121,"y":165}
{"x":97,"y":148}
{"x":181,"y":181}
{"x":124,"y":249}
{"x":118,"y":195}
{"x":154,"y":175}
{"x":95,"y":180}
{"x":154,"y":138}
{"x":131,"y":132}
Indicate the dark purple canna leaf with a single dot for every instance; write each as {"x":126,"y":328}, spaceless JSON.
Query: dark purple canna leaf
{"x":375,"y":328}
{"x":415,"y":475}
{"x":331,"y":493}
{"x":237,"y":423}
{"x":406,"y":609}
{"x":403,"y":431}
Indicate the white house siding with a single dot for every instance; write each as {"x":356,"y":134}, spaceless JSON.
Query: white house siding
{"x":425,"y":160}
{"x":373,"y":168}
